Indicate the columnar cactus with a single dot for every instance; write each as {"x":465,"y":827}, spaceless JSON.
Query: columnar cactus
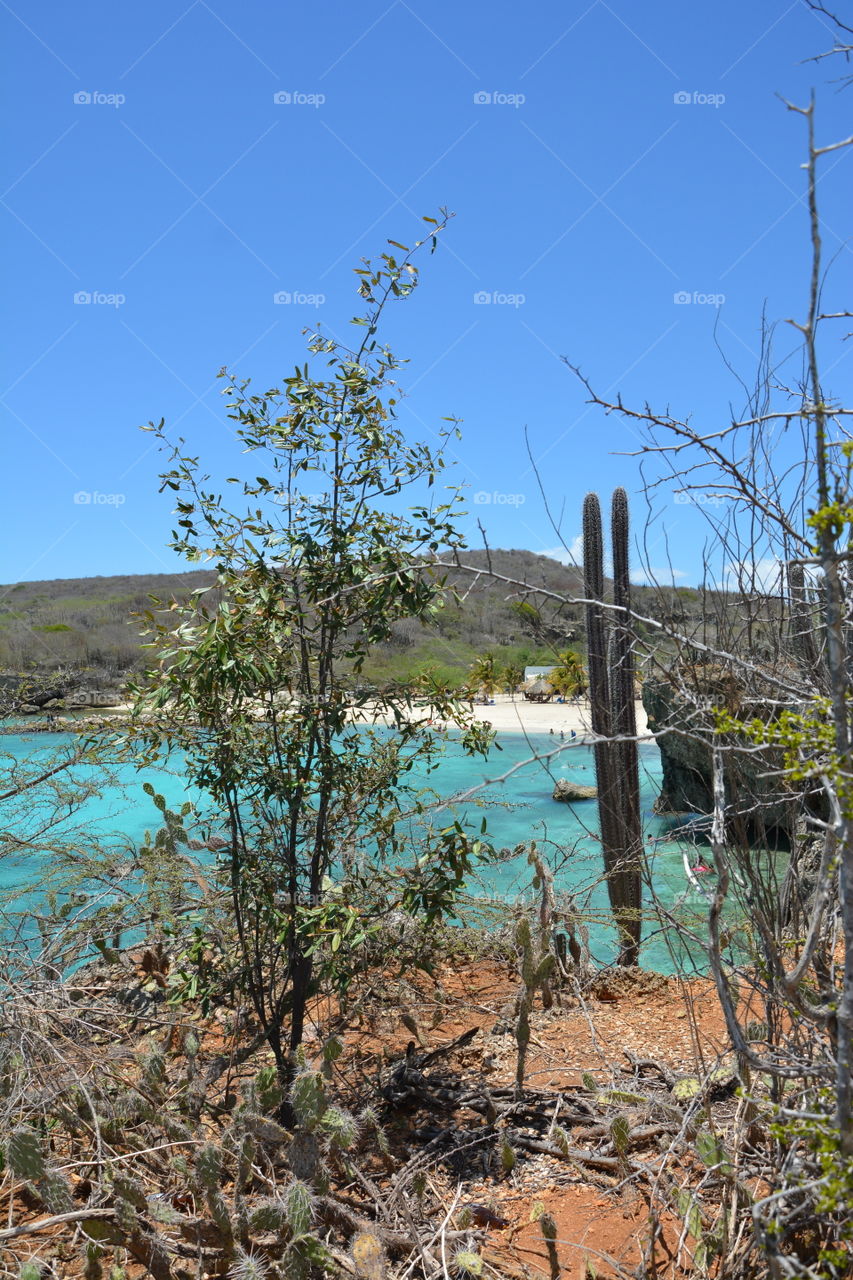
{"x":536,"y":967}
{"x":611,"y":691}
{"x":599,"y":674}
{"x":629,"y":879}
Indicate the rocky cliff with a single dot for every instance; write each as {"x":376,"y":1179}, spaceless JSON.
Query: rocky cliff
{"x":680,"y":714}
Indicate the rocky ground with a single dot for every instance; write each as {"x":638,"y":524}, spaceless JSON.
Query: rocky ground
{"x":621,"y":1082}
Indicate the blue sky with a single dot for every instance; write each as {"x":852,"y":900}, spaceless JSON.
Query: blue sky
{"x":182,"y":164}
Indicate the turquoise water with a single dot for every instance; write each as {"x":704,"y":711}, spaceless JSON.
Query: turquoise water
{"x":518,"y":809}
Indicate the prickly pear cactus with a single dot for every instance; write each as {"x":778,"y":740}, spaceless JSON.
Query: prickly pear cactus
{"x":300,"y":1207}
{"x":24,"y":1154}
{"x":25,"y":1159}
{"x":304,"y":1156}
{"x":208,"y":1173}
{"x":308,"y":1098}
{"x":368,"y":1257}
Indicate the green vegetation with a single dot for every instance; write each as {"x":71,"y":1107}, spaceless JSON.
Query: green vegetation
{"x":568,"y":679}
{"x":85,"y":624}
{"x":94,"y":625}
{"x":259,"y":687}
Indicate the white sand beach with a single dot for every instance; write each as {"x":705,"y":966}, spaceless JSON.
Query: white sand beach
{"x":508,"y":714}
{"x":516,"y":715}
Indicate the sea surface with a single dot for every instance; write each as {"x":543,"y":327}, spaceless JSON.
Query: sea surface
{"x":518,"y":808}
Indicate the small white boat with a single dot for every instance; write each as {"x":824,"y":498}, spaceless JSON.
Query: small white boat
{"x":694,"y":878}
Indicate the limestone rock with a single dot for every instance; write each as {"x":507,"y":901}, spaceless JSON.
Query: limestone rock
{"x":572,"y":791}
{"x":757,"y":798}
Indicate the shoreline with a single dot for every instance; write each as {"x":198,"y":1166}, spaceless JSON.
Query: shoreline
{"x":505,"y":714}
{"x":517,"y":715}
{"x":508,"y":714}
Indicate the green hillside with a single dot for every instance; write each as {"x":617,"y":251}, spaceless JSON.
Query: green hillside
{"x":89,"y":623}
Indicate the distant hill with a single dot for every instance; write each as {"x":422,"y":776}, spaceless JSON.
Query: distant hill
{"x":83,"y":622}
{"x":89,"y":623}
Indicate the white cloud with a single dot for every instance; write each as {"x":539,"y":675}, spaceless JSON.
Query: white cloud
{"x":657,"y":577}
{"x":573,"y":555}
{"x":754,"y":575}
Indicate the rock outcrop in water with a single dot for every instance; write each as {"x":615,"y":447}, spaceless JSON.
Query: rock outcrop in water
{"x":571,"y":791}
{"x":758,"y":801}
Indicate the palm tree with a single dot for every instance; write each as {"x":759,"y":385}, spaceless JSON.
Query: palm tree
{"x":568,"y":678}
{"x":513,"y":677}
{"x":484,"y":673}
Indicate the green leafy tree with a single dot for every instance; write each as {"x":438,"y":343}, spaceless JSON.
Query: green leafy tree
{"x":262,"y":689}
